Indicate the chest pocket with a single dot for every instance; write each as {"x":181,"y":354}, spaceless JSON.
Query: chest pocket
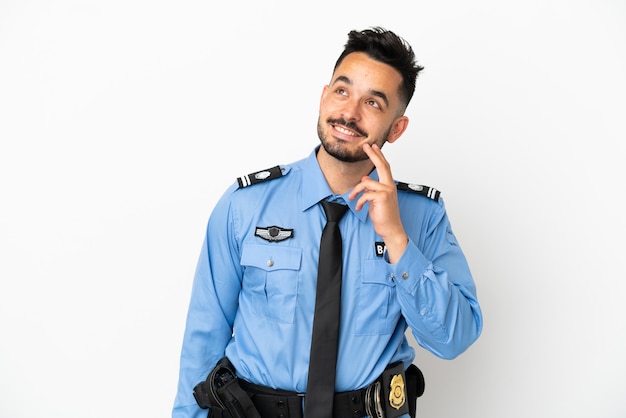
{"x":378,"y":310}
{"x":270,"y":280}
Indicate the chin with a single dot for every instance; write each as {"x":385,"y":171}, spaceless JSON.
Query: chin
{"x":344,"y":155}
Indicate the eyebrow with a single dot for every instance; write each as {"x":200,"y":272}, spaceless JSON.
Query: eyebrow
{"x":376,"y":93}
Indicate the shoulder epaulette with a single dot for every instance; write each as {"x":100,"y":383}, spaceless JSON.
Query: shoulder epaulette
{"x":427,"y":191}
{"x":259,"y":176}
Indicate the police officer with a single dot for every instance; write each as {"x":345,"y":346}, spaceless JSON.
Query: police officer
{"x":253,"y":296}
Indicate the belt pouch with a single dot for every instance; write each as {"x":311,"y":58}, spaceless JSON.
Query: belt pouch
{"x":221,"y":392}
{"x":415,"y":385}
{"x":236,"y":401}
{"x":394,"y":391}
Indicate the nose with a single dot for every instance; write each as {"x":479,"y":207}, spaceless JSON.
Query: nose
{"x":351,"y":111}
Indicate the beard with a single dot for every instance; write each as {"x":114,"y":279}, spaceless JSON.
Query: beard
{"x":338,"y":150}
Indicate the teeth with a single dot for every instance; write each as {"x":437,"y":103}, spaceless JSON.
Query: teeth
{"x":344,"y":131}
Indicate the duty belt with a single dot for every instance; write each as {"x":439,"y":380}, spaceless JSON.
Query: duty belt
{"x":393,"y":394}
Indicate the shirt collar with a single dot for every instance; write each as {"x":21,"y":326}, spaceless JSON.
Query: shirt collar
{"x":315,"y":188}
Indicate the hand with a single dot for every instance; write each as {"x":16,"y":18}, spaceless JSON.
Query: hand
{"x":383,"y":198}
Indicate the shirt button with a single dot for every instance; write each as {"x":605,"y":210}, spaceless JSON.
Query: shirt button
{"x":423,"y":312}
{"x":270,"y":263}
{"x":392,"y":276}
{"x":405,"y":275}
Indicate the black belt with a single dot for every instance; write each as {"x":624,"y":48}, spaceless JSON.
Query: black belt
{"x":273,"y":403}
{"x":389,"y":396}
{"x":393,"y":394}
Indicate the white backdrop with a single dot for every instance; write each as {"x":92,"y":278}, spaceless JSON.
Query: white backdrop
{"x":122,"y":121}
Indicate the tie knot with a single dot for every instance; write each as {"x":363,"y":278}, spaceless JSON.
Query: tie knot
{"x":334,"y":211}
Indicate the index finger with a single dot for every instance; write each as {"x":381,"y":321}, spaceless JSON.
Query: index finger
{"x":376,"y":156}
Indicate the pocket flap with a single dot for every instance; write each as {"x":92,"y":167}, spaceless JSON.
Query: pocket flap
{"x":376,"y":272}
{"x":271,"y":257}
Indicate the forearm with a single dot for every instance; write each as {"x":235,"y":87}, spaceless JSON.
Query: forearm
{"x":438,"y":302}
{"x":207,"y":332}
{"x":211,"y":313}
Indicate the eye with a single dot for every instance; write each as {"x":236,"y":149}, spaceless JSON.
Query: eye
{"x":373,"y":103}
{"x":341,"y":91}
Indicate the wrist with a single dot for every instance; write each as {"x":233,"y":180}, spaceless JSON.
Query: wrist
{"x":395,"y":247}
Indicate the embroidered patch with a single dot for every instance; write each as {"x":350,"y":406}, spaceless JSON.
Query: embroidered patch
{"x":379,"y":246}
{"x":273,"y":233}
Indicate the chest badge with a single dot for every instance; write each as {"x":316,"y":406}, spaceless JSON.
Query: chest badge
{"x":273,"y":233}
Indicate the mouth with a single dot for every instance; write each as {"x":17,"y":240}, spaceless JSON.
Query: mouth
{"x":347,"y":129}
{"x":344,"y":131}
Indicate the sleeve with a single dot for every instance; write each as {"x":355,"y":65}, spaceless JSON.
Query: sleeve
{"x":212,"y":308}
{"x":435,"y":288}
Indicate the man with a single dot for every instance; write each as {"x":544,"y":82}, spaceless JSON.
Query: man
{"x":254,"y":294}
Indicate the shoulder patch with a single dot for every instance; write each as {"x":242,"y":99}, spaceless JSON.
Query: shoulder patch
{"x":427,"y":191}
{"x":259,"y":176}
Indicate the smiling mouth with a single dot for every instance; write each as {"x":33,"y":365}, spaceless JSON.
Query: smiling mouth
{"x":346,"y":128}
{"x":345,"y":131}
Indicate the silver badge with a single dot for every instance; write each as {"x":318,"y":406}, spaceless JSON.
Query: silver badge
{"x":273,"y":233}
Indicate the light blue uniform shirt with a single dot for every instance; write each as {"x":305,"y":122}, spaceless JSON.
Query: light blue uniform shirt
{"x":253,"y":300}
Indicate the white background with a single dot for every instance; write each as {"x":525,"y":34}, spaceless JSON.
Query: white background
{"x":122,"y":122}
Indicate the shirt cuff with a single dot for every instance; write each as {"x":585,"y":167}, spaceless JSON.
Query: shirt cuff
{"x":409,"y":268}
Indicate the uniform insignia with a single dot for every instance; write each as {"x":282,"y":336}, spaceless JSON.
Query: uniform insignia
{"x":273,"y":233}
{"x":396,"y":392}
{"x":429,"y":192}
{"x":259,"y":176}
{"x":379,"y":246}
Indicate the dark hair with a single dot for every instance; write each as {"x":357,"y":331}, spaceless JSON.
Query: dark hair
{"x":387,"y":47}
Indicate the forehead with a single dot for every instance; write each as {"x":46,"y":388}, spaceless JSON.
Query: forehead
{"x":363,"y":72}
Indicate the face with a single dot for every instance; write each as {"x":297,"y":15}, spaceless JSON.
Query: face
{"x":360,"y":105}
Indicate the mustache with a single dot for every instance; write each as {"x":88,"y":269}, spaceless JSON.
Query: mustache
{"x":350,"y":125}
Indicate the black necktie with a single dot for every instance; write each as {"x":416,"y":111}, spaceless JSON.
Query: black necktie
{"x":318,"y":402}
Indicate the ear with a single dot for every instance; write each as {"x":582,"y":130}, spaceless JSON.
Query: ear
{"x":397,"y":128}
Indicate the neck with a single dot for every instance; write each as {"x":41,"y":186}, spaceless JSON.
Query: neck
{"x":342,"y":176}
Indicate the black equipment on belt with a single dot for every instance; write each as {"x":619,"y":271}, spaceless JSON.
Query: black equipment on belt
{"x":393,"y":394}
{"x":221,"y":392}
